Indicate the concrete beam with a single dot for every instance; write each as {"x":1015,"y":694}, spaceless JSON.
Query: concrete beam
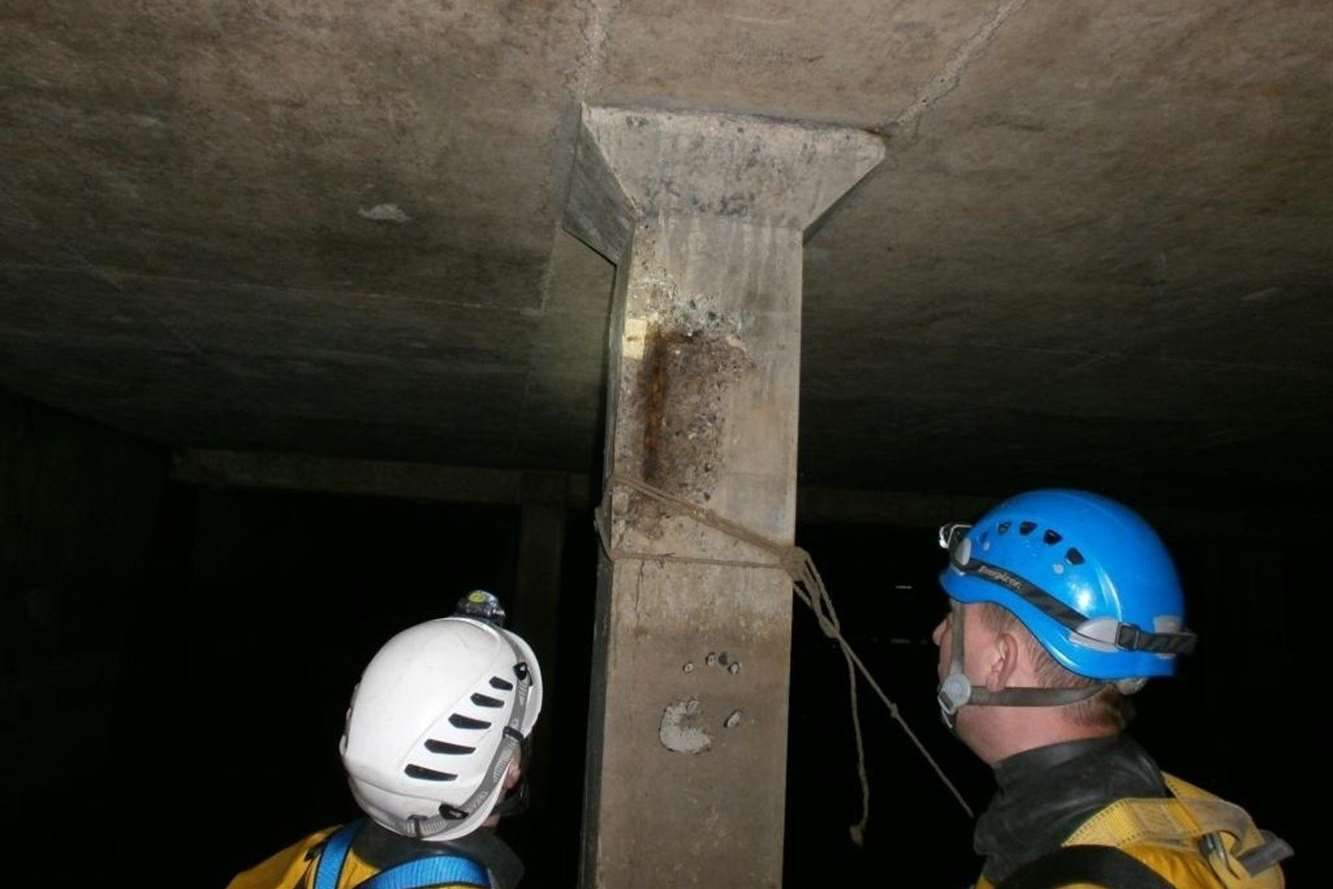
{"x":514,"y":487}
{"x":371,"y":478}
{"x":817,"y":505}
{"x":688,"y":718}
{"x":535,"y":608}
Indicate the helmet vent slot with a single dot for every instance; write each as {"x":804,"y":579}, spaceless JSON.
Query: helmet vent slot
{"x":1051,"y":537}
{"x":435,"y":746}
{"x":1003,"y":527}
{"x":1026,"y":528}
{"x":458,"y":720}
{"x":1074,"y":556}
{"x":425,"y":774}
{"x":501,"y":684}
{"x":482,"y":700}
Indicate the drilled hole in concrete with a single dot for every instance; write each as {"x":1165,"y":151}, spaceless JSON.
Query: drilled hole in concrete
{"x":723,"y":659}
{"x":711,"y":660}
{"x":688,"y":668}
{"x":734,"y":668}
{"x":733,"y":720}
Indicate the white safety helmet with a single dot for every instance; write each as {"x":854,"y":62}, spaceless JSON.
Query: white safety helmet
{"x":434,"y":723}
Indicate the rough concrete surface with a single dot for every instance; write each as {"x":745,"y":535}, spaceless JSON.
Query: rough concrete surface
{"x":1102,"y":234}
{"x":705,"y":381}
{"x":686,"y":798}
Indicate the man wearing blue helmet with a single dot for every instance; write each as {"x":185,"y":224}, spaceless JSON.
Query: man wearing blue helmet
{"x":1062,"y":605}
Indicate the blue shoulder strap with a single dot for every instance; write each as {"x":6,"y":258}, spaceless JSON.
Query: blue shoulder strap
{"x":419,"y":873}
{"x":432,"y":870}
{"x":334,"y":853}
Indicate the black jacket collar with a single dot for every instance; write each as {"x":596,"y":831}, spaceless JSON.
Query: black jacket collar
{"x":1046,"y":794}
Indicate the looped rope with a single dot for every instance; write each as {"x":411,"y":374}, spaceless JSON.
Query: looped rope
{"x":809,"y":588}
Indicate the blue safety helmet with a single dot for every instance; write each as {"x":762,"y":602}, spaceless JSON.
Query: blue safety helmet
{"x":1087,"y":576}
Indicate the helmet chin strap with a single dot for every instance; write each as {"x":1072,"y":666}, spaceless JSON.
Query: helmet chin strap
{"x":956,"y":690}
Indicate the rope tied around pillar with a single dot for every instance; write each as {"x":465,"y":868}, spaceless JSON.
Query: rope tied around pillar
{"x":809,"y":588}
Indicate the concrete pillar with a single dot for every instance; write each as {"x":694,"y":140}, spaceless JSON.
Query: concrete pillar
{"x":540,"y":554}
{"x":536,"y":605}
{"x":704,"y":216}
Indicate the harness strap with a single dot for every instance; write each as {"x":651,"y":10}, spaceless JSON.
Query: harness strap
{"x":1103,"y":866}
{"x":418,"y":873}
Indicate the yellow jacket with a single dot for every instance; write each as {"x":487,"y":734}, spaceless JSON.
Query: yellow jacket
{"x":1170,"y":835}
{"x":294,"y":868}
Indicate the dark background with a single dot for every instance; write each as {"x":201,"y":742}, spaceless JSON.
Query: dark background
{"x":177,"y":660}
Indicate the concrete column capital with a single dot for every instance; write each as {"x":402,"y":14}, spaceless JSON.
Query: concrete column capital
{"x":637,"y":164}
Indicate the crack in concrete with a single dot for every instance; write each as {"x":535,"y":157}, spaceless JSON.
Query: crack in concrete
{"x":87,"y":268}
{"x":141,"y":303}
{"x":590,"y":63}
{"x":233,"y":400}
{"x":947,"y":80}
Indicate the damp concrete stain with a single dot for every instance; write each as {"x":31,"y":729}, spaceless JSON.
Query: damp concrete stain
{"x":690,"y":361}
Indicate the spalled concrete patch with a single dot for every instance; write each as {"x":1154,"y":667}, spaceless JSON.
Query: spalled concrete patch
{"x":384,"y":213}
{"x":684,"y":376}
{"x":681,"y":730}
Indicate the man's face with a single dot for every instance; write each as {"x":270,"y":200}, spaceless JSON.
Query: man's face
{"x":943,"y":637}
{"x":977,"y":639}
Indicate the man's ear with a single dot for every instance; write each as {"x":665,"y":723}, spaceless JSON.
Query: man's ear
{"x":1002,"y":663}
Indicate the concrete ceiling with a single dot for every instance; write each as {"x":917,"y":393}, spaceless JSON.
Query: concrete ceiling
{"x":1101,"y":246}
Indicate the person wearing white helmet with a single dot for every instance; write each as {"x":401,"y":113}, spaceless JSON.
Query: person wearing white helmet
{"x":432,"y":747}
